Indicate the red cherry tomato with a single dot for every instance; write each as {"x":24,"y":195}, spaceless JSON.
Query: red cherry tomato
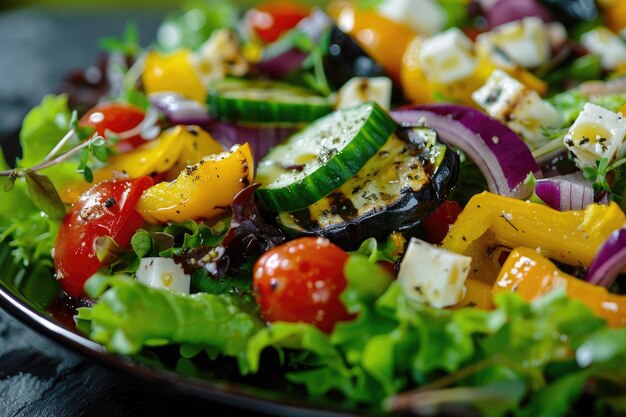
{"x":117,"y":118}
{"x":269,"y":21}
{"x":106,"y":209}
{"x":300,"y":281}
{"x":438,"y":223}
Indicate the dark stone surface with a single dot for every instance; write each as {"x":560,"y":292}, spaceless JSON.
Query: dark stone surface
{"x":37,"y":377}
{"x":41,"y":379}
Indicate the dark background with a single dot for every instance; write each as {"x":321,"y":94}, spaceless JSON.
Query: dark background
{"x":38,"y":377}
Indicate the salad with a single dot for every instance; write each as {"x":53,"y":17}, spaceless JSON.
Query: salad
{"x":409,"y":205}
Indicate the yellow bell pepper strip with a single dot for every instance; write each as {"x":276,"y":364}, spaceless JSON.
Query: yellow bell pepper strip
{"x":531,"y":275}
{"x":491,"y":220}
{"x":614,"y":12}
{"x":173,"y":73}
{"x":196,"y":144}
{"x":170,"y":152}
{"x":414,"y":83}
{"x":201,"y":191}
{"x":477,"y":295}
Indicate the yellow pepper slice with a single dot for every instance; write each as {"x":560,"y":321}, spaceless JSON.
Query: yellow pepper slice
{"x":531,"y":275}
{"x":171,"y":151}
{"x":413,"y":80}
{"x":491,"y":220}
{"x":201,"y":191}
{"x":196,"y":144}
{"x":477,"y":295}
{"x":173,"y":73}
{"x":614,"y":12}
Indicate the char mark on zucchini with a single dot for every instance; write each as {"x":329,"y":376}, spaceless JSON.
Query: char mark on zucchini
{"x":406,"y":181}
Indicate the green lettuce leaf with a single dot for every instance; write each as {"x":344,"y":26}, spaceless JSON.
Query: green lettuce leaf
{"x":570,"y":103}
{"x":375,"y":252}
{"x":16,"y":205}
{"x":194,"y":25}
{"x":42,"y":128}
{"x":130,"y":315}
{"x":520,"y":359}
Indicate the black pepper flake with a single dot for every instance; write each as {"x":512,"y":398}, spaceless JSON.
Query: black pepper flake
{"x":110,"y":202}
{"x":189,"y":169}
{"x":509,"y":222}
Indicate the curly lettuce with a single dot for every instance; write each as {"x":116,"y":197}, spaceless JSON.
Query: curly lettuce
{"x":516,"y":359}
{"x":130,"y":316}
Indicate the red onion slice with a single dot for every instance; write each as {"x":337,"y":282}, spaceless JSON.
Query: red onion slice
{"x":500,"y":154}
{"x":180,"y":110}
{"x":569,"y":192}
{"x":609,"y":261}
{"x":260,"y":138}
{"x":505,"y":11}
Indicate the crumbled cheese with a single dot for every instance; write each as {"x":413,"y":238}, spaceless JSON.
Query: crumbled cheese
{"x":431,"y":275}
{"x":525,"y":41}
{"x":597,"y":133}
{"x":521,"y":108}
{"x":606,"y":45}
{"x":163,"y":273}
{"x":423,"y":16}
{"x":447,"y":57}
{"x":219,"y":57}
{"x":361,"y":90}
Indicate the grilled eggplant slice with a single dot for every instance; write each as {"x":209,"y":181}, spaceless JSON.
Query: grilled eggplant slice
{"x":406,"y":180}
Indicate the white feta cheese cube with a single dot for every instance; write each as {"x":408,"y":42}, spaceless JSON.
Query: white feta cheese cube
{"x":606,"y":45}
{"x":423,"y":16}
{"x":597,"y":133}
{"x":432,"y":275}
{"x":522,"y":109}
{"x":525,"y":41}
{"x":447,"y":57}
{"x":218,"y":57}
{"x":163,"y":273}
{"x":361,"y":90}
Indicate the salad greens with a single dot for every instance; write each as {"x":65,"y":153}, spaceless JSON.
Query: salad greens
{"x":539,"y":347}
{"x":392,"y":345}
{"x":193,"y":25}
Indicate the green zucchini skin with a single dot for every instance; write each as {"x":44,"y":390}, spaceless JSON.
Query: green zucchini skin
{"x":333,"y":169}
{"x":403,"y":215}
{"x":264,"y":101}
